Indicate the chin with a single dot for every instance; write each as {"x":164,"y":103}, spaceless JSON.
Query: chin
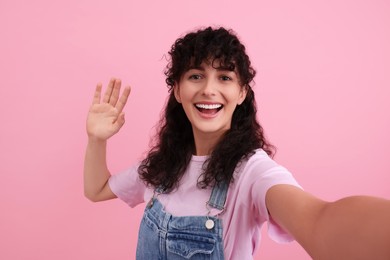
{"x":211,"y":129}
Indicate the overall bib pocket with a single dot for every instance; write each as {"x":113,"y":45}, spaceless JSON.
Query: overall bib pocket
{"x":190,"y":246}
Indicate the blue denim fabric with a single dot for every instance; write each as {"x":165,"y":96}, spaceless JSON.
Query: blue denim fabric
{"x":163,"y":236}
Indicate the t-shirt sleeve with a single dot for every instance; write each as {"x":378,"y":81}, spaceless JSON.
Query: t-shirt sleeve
{"x":273,"y":176}
{"x":128,"y":187}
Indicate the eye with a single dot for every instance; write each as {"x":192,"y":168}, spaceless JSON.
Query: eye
{"x":225,"y":78}
{"x":195,"y":77}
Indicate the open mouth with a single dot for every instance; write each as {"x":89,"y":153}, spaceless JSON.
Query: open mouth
{"x":209,"y":108}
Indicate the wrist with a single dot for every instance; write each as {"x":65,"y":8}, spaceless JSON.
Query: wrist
{"x":92,"y":140}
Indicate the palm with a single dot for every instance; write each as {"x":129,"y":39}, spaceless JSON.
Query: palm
{"x":105,"y":118}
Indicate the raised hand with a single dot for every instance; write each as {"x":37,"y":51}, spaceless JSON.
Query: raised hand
{"x":105,"y":117}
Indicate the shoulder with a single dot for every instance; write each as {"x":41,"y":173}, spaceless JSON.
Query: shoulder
{"x":261,"y":157}
{"x":128,"y":186}
{"x":257,"y":165}
{"x":258,"y":173}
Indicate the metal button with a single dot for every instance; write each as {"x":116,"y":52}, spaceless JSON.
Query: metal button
{"x":209,"y":224}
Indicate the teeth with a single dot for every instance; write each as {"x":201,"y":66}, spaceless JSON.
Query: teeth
{"x":206,"y":106}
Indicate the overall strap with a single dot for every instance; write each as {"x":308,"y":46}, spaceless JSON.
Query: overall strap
{"x":218,"y":195}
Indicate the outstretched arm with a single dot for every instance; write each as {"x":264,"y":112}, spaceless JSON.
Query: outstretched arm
{"x":105,"y":118}
{"x":351,"y":228}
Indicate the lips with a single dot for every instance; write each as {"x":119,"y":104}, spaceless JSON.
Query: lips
{"x":209,"y":109}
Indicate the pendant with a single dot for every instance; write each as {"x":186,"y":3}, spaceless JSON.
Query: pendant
{"x":209,"y":224}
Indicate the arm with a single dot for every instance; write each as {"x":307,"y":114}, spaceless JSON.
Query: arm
{"x":105,"y":118}
{"x":351,"y":228}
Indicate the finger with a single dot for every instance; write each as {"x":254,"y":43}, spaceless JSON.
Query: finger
{"x":115,"y":92}
{"x":108,"y":92}
{"x":96,"y":96}
{"x":123,"y":99}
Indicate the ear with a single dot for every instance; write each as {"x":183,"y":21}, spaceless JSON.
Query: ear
{"x":176,"y":92}
{"x":243,"y":92}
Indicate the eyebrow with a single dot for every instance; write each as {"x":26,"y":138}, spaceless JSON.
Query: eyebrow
{"x":196,"y":68}
{"x":203,"y":69}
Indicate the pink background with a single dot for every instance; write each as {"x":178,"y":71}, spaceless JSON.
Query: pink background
{"x":323,"y":89}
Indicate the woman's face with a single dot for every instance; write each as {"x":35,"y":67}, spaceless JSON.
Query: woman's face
{"x":209,"y":97}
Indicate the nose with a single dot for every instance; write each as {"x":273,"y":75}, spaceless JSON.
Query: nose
{"x":209,"y":87}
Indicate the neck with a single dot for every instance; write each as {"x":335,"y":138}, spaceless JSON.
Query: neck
{"x":206,"y":142}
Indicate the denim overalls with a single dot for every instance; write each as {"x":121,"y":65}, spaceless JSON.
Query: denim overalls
{"x":163,"y":236}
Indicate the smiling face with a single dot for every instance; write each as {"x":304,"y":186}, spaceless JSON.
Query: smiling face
{"x":209,"y":97}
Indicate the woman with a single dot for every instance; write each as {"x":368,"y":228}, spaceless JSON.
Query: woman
{"x":209,"y":180}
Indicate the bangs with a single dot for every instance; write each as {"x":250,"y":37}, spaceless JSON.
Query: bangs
{"x":219,"y":63}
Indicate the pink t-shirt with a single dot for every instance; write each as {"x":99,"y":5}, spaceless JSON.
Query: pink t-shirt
{"x":245,"y":209}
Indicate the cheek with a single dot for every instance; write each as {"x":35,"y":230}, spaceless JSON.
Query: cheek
{"x":234,"y":96}
{"x":187,"y":95}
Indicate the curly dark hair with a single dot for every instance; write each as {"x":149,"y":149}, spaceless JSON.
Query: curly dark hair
{"x":172,"y":150}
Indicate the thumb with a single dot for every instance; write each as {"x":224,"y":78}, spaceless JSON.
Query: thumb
{"x":120,"y":121}
{"x":121,"y":118}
